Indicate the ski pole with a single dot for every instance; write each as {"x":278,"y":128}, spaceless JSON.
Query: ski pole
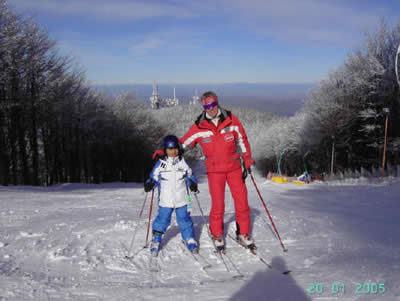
{"x":204,"y":219}
{"x":189,"y":199}
{"x":244,"y":172}
{"x":209,"y":232}
{"x":265,"y":207}
{"x":137,"y":226}
{"x":148,"y":225}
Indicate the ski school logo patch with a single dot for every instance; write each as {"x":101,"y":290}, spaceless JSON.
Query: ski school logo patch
{"x":206,"y":140}
{"x":229,"y":138}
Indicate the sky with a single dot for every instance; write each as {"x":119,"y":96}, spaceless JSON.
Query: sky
{"x":208,"y":41}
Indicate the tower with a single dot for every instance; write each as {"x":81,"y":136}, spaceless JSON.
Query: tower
{"x":157,"y":102}
{"x":195,"y":98}
{"x":176,"y":100}
{"x":154,"y":98}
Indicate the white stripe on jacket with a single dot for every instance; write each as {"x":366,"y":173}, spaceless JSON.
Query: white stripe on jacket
{"x":170,"y":175}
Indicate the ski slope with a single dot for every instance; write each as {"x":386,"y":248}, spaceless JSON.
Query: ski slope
{"x":70,"y":241}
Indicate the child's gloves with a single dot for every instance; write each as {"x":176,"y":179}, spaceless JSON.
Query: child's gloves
{"x":148,"y":186}
{"x":193,"y":186}
{"x":247,"y":160}
{"x":158,"y":153}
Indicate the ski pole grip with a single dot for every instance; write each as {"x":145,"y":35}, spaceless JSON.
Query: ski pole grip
{"x":244,"y":175}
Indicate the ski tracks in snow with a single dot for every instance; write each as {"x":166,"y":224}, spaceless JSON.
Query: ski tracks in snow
{"x":71,"y":244}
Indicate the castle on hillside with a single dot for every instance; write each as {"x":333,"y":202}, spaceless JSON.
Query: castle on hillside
{"x":156,"y":102}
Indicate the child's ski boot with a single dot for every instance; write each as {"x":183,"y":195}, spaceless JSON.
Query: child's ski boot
{"x":192,"y":245}
{"x":155,"y":245}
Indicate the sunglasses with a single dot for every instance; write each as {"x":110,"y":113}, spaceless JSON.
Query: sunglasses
{"x":209,"y":106}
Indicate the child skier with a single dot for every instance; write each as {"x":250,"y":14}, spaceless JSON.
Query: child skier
{"x":172,"y":175}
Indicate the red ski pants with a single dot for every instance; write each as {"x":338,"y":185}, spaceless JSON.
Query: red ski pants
{"x":216,"y":184}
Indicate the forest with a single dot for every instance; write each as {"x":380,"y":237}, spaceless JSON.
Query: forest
{"x":55,"y":127}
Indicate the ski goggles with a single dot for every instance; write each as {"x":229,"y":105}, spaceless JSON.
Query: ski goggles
{"x":171,"y":144}
{"x":210,"y":105}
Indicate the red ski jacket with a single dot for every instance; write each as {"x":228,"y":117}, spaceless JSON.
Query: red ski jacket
{"x":220,"y":143}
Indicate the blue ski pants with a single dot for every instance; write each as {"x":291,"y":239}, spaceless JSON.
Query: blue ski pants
{"x":185,"y":223}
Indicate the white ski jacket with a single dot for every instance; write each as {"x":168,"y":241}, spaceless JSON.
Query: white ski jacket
{"x":170,"y":175}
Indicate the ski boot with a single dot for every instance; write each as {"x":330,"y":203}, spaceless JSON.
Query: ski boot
{"x":219,"y":243}
{"x":246,"y":241}
{"x":192,"y":245}
{"x":155,"y":243}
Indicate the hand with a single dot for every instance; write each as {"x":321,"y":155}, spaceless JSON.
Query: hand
{"x":244,"y":175}
{"x":193,"y":186}
{"x":158,"y":153}
{"x":247,"y":160}
{"x":148,"y":186}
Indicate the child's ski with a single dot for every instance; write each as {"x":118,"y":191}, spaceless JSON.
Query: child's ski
{"x":154,"y":265}
{"x":198,"y":258}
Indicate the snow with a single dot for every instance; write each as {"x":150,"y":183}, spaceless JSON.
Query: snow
{"x":70,"y":241}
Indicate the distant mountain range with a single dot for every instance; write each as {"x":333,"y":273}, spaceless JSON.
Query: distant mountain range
{"x":282,"y":99}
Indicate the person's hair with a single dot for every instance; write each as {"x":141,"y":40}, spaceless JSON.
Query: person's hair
{"x":209,"y":93}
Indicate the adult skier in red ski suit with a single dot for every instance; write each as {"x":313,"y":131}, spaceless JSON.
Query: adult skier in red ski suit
{"x":220,"y":133}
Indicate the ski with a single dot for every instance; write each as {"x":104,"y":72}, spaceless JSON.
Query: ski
{"x":222,"y":255}
{"x":254,"y":252}
{"x":154,"y":265}
{"x":235,"y":268}
{"x":198,"y":258}
{"x":219,"y":253}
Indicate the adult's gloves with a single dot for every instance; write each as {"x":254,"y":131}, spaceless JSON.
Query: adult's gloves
{"x":193,"y":186}
{"x":148,"y":186}
{"x":247,"y":160}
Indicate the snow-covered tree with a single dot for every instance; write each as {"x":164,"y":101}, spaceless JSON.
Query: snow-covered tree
{"x":347,"y":107}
